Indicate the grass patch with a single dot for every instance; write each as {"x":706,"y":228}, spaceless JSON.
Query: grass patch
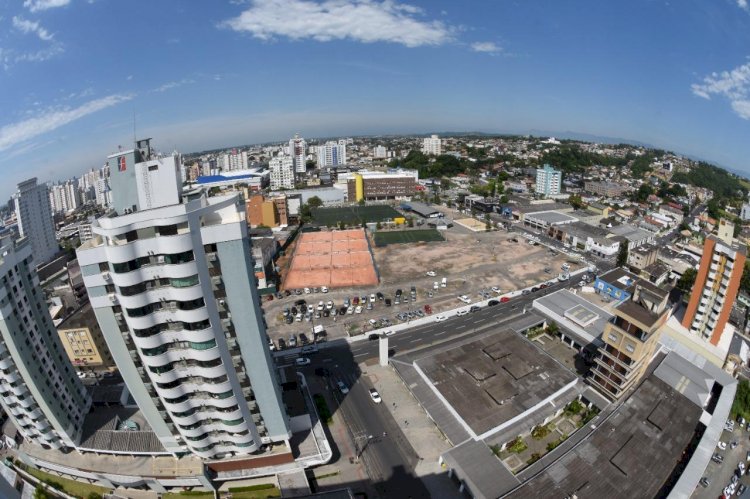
{"x":353,"y":215}
{"x":589,"y":415}
{"x":70,"y":487}
{"x":741,"y":404}
{"x":407,"y":236}
{"x":575,"y":407}
{"x":517,"y":445}
{"x":322,"y":406}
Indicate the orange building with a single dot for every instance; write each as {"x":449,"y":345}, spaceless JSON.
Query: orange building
{"x":261,"y":211}
{"x":715,"y":288}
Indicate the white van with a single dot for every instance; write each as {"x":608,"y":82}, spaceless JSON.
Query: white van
{"x":444,"y":282}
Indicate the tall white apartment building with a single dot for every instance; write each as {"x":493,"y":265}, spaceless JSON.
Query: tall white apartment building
{"x":332,"y":154}
{"x":64,"y":197}
{"x":282,"y":172}
{"x":173,"y":289}
{"x":233,"y":161}
{"x":35,"y":222}
{"x":39,"y":389}
{"x":548,"y":181}
{"x":298,"y":152}
{"x":432,"y":145}
{"x":379,"y":152}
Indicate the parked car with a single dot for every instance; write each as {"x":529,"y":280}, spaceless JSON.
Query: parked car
{"x":342,"y":387}
{"x":705,"y":481}
{"x":373,"y":337}
{"x":492,"y":303}
{"x":427,"y":309}
{"x":380,"y":296}
{"x":722,"y":445}
{"x":497,"y":290}
{"x":464,"y":299}
{"x":505,"y":299}
{"x":303,"y":339}
{"x":440,"y":318}
{"x":282,"y":344}
{"x":431,"y":273}
{"x":375,"y":396}
{"x":302,"y":361}
{"x":387,"y":302}
{"x":462,"y":312}
{"x":324,"y":289}
{"x":292,"y":341}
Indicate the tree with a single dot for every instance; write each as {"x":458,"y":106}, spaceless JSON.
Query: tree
{"x":622,"y":256}
{"x":576,"y":202}
{"x":745,"y":280}
{"x":305,"y":213}
{"x":378,"y":226}
{"x":685,"y":283}
{"x":41,"y":493}
{"x":315,"y":202}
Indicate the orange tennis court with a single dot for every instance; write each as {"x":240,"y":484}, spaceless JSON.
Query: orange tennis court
{"x":336,"y":259}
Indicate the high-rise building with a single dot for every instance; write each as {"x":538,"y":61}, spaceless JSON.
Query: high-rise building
{"x":548,"y":181}
{"x":282,"y":172}
{"x":379,"y":152}
{"x":630,"y":340}
{"x":298,"y":152}
{"x":172,"y":287}
{"x":35,"y":222}
{"x":39,"y":389}
{"x":331,"y":154}
{"x":715,"y":288}
{"x":432,"y":145}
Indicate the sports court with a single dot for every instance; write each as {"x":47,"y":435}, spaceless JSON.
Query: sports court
{"x":336,"y":259}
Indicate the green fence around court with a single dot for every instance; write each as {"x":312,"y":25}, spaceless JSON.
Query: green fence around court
{"x":406,"y":236}
{"x":353,"y":215}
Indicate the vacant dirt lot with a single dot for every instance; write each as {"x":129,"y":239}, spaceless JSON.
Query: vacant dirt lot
{"x":486,"y":259}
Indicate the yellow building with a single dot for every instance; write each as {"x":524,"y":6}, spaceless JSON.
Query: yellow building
{"x":83,"y":341}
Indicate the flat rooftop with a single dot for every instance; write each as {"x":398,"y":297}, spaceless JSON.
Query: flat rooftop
{"x":630,"y":454}
{"x":102,"y":430}
{"x":627,"y":280}
{"x":576,"y":315}
{"x":494,"y":379}
{"x":551,"y":217}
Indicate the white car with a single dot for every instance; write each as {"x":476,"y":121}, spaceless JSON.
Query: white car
{"x":81,"y":374}
{"x":375,"y":396}
{"x":372,"y":322}
{"x":431,"y":274}
{"x":302,"y":361}
{"x":358,"y":310}
{"x":307,"y":291}
{"x":329,"y":305}
{"x":391,"y":332}
{"x":436,"y":285}
{"x":497,"y":290}
{"x":349,"y":310}
{"x":342,"y":387}
{"x":722,"y":445}
{"x":440,"y":318}
{"x":461,"y":312}
{"x":321,"y":305}
{"x":464,"y":299}
{"x":324,"y":289}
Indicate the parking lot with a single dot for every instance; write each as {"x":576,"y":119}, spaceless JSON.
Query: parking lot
{"x":719,"y":475}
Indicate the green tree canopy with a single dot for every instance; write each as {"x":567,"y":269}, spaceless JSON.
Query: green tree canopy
{"x":315,"y":202}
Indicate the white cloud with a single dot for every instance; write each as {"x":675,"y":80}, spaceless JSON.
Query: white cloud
{"x":172,"y":84}
{"x":742,"y":4}
{"x":17,"y":133}
{"x":365,"y":21}
{"x":733,"y":85}
{"x":487,"y":47}
{"x":26,"y":26}
{"x":37,"y":5}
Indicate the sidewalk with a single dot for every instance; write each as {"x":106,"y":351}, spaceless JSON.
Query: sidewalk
{"x":419,"y":430}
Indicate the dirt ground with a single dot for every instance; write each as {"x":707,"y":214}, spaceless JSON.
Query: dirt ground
{"x":486,"y":258}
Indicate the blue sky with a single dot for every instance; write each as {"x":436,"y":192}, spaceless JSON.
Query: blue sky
{"x":211,"y":74}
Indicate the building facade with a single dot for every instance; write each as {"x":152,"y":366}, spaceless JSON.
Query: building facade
{"x":282,"y":172}
{"x":548,"y":181}
{"x":630,"y":341}
{"x":35,"y":222}
{"x":715,"y":289}
{"x":604,"y":189}
{"x":331,"y":154}
{"x":173,"y":291}
{"x":381,"y":186}
{"x":38,"y":387}
{"x":298,"y":152}
{"x":432,"y":145}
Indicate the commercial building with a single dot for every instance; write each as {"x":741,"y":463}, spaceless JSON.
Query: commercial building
{"x":172,"y":287}
{"x":715,"y":288}
{"x":643,"y":256}
{"x":35,"y":222}
{"x":432,"y":145}
{"x":380,"y":186}
{"x":255,"y":179}
{"x":548,"y":181}
{"x":298,"y":152}
{"x":331,"y":154}
{"x":270,"y":212}
{"x":586,"y":237}
{"x":379,"y":152}
{"x":630,"y":340}
{"x":38,"y":387}
{"x":83,"y":341}
{"x":282,"y":172}
{"x":605,"y":189}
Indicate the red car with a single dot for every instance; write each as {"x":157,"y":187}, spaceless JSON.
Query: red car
{"x":355,"y":300}
{"x":504,"y":299}
{"x":427,"y":309}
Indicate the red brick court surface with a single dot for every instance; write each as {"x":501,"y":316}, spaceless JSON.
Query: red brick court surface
{"x":337,"y":259}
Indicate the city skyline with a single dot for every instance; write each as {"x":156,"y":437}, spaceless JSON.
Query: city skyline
{"x":676,"y":77}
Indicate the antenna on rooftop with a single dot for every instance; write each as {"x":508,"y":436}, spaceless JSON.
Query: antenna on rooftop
{"x":134,"y":135}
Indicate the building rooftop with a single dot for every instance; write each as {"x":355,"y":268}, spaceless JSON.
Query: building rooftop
{"x":626,"y":280}
{"x":492,"y":380}
{"x":103,"y":430}
{"x":486,"y":474}
{"x":632,"y":453}
{"x":420,"y":208}
{"x":573,"y":313}
{"x":551,"y":217}
{"x":631,"y":233}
